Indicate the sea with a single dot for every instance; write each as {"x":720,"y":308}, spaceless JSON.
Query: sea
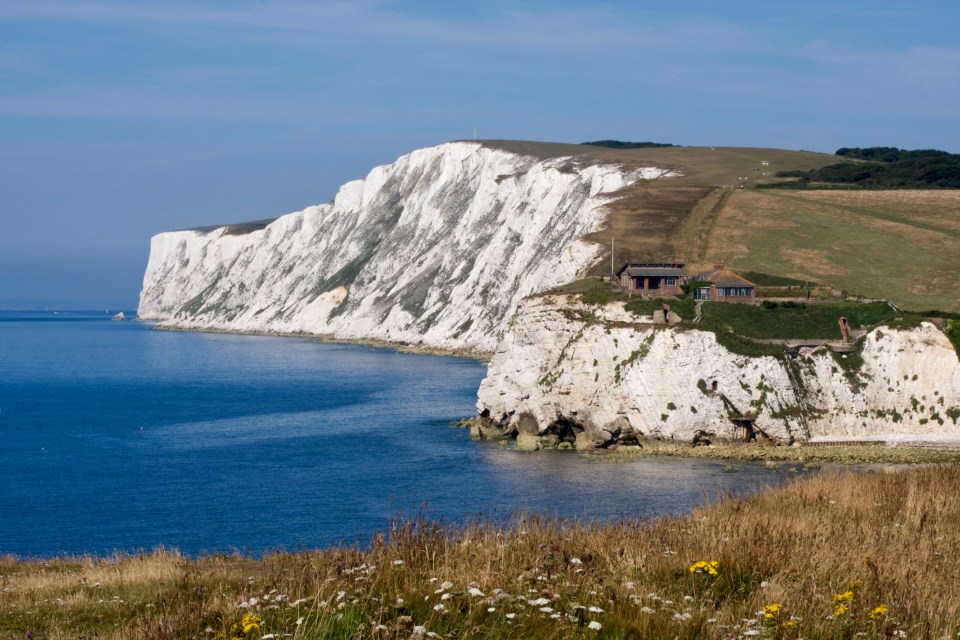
{"x":120,"y":437}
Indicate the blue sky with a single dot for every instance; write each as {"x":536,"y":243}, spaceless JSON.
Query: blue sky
{"x":121,"y":119}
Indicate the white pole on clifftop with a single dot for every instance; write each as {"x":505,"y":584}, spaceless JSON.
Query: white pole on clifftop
{"x":613,"y":241}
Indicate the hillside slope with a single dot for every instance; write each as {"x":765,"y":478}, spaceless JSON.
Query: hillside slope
{"x":436,"y":249}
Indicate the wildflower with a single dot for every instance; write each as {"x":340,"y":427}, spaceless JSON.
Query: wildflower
{"x":539,"y":602}
{"x":595,"y":610}
{"x":576,"y":561}
{"x":249,"y":623}
{"x":790,"y":624}
{"x":841,"y":603}
{"x":445,"y":596}
{"x":594,"y":625}
{"x":647,"y":610}
{"x":491,"y":609}
{"x":769,"y":612}
{"x":546,"y":609}
{"x":878,"y":612}
{"x":510,"y":616}
{"x":711,"y":568}
{"x":398,"y":562}
{"x":446,"y":584}
{"x":439,"y":607}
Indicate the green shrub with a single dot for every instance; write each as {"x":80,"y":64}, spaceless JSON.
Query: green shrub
{"x":953,"y":332}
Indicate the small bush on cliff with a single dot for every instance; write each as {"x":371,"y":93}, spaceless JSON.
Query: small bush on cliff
{"x":953,"y":332}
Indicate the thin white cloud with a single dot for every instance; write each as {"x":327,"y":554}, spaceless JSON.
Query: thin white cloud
{"x":587,"y":27}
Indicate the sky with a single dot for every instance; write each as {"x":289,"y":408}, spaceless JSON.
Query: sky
{"x":123,"y":119}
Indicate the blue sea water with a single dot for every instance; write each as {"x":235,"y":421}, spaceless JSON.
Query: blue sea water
{"x":118,"y":436}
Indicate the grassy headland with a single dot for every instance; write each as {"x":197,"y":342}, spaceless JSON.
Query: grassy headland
{"x":835,"y":555}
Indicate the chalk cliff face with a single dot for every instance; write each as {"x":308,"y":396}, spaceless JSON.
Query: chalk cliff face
{"x":436,"y":249}
{"x":600,"y":376}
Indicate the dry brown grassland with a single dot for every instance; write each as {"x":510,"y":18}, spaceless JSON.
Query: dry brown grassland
{"x":835,"y":555}
{"x":903,"y":246}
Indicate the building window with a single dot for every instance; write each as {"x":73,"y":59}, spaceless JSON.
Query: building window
{"x":671,"y":282}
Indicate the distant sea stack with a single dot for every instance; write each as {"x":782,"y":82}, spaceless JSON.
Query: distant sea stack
{"x":436,"y":249}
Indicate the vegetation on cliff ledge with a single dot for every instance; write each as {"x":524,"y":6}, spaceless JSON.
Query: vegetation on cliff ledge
{"x":821,"y":557}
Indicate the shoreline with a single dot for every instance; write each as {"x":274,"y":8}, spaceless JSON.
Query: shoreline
{"x":329,"y":339}
{"x":844,"y":454}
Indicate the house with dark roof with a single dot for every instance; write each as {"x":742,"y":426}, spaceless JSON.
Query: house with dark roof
{"x":655,"y":278}
{"x":725,"y":286}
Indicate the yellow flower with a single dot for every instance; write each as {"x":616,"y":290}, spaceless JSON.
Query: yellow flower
{"x":773,"y":608}
{"x":856,"y":584}
{"x":840,"y":609}
{"x":790,"y":623}
{"x":878,"y":612}
{"x":250,"y":622}
{"x":702,"y":566}
{"x":846,"y":596}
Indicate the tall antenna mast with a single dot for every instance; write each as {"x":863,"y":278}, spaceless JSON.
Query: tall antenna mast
{"x":613,"y":241}
{"x":474,"y":134}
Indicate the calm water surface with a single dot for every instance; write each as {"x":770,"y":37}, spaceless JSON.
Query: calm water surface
{"x":116,"y":436}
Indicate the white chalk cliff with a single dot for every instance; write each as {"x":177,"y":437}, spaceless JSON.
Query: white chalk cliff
{"x":436,"y":249}
{"x":597,"y":376}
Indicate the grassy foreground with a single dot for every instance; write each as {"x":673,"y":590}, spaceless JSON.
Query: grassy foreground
{"x":838,"y":555}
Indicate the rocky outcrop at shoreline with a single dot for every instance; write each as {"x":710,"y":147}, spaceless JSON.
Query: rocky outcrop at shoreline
{"x":573,"y":375}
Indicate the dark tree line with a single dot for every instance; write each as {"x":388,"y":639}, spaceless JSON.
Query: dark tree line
{"x":619,"y":144}
{"x":889,"y":168}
